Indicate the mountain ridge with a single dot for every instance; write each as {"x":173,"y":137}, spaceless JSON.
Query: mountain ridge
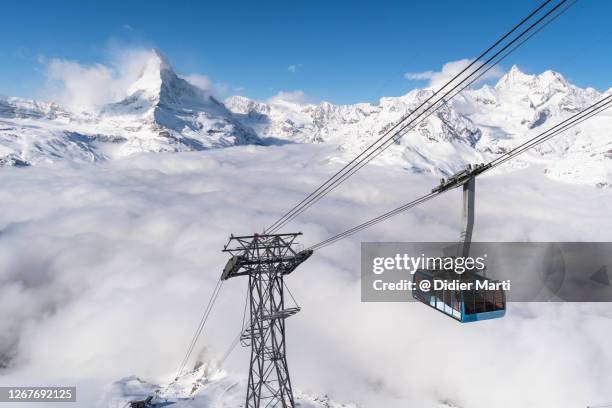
{"x":163,"y":112}
{"x":475,"y":126}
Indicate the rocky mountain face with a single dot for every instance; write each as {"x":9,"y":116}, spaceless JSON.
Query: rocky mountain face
{"x":164,"y":113}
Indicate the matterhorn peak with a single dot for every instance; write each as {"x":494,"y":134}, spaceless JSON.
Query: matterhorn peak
{"x":158,"y":57}
{"x":155,"y":72}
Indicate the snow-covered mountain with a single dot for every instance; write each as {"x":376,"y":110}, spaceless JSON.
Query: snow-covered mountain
{"x":477,"y":125}
{"x":164,"y":113}
{"x":205,"y":386}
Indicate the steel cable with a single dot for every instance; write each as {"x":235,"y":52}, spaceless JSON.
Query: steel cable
{"x":561,"y":127}
{"x":356,"y":164}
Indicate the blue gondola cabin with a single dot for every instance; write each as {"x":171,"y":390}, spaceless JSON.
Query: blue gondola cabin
{"x":465,"y":303}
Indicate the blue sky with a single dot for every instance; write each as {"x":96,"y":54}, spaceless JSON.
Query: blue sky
{"x":342,"y":51}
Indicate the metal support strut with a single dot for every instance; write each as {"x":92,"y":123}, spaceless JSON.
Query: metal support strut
{"x":266,"y":259}
{"x":465,"y":239}
{"x":467,"y":179}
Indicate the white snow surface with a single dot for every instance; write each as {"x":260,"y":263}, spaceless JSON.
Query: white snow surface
{"x":105,"y":270}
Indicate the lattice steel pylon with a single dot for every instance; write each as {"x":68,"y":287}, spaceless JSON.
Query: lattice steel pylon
{"x":266,"y":259}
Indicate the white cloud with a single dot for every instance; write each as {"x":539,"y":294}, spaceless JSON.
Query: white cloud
{"x":72,"y":83}
{"x":220,"y":90}
{"x":297,"y":97}
{"x":449,"y":70}
{"x":88,"y":85}
{"x":201,"y":81}
{"x":294,"y":67}
{"x":105,"y":270}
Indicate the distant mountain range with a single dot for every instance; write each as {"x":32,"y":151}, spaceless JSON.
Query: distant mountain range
{"x":165,"y":113}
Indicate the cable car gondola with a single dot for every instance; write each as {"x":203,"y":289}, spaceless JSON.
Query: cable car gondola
{"x":464,"y":305}
{"x":468,"y":301}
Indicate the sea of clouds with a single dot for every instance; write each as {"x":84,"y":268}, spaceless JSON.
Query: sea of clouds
{"x":105,"y":270}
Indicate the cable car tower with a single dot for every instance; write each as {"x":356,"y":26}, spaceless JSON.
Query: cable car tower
{"x":266,"y":259}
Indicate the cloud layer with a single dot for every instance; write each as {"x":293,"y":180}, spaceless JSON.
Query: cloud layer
{"x":294,"y":67}
{"x":88,"y":85}
{"x":297,"y":97}
{"x":436,"y":79}
{"x":104,"y":272}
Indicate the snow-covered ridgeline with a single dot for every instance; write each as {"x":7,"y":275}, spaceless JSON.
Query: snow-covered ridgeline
{"x":478,"y":125}
{"x":165,"y":113}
